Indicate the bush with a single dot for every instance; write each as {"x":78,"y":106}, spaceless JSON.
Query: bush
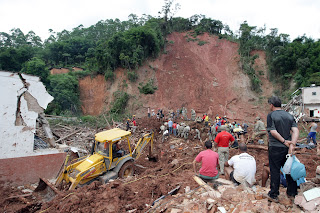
{"x":132,"y":76}
{"x":88,"y":119}
{"x":109,"y":75}
{"x":148,"y":88}
{"x":200,"y":43}
{"x":120,"y":103}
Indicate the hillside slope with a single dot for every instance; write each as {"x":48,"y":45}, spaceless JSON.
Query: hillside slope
{"x":206,"y":78}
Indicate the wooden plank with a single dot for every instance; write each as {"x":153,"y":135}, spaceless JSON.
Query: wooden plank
{"x":65,"y":137}
{"x":207,"y":187}
{"x":257,"y":147}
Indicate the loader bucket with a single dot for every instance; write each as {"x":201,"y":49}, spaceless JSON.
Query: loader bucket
{"x":46,"y":190}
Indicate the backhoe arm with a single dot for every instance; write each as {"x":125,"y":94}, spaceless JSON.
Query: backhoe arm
{"x":142,"y":143}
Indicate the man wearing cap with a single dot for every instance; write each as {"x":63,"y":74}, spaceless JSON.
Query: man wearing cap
{"x":223,"y":139}
{"x":260,"y":131}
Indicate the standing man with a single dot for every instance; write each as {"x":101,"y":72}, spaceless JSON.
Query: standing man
{"x":170,"y":125}
{"x":244,"y":167}
{"x":128,"y":124}
{"x":134,"y":127}
{"x":223,"y":139}
{"x":174,"y":126}
{"x":149,"y":115}
{"x":206,"y":120}
{"x":283,"y":135}
{"x":209,"y":162}
{"x":312,"y":134}
{"x":260,"y":130}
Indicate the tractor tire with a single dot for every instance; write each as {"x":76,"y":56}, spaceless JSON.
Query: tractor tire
{"x":126,"y":170}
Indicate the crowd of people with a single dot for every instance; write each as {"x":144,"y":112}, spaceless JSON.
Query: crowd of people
{"x":219,"y":134}
{"x":241,"y":169}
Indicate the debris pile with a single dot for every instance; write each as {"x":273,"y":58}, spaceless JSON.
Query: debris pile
{"x":149,"y":189}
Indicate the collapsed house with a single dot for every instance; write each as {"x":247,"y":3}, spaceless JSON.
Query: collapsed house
{"x":23,"y":99}
{"x":305,"y":103}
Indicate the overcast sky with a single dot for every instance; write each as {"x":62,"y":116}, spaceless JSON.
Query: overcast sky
{"x":293,"y":17}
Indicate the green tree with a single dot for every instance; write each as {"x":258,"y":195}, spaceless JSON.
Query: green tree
{"x":37,"y":67}
{"x":65,"y":90}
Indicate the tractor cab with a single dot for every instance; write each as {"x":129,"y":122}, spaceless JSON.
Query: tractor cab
{"x":107,"y":144}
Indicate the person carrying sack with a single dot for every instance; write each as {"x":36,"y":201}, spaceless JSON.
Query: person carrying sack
{"x":283,"y":135}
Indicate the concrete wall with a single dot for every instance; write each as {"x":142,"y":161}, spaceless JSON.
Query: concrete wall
{"x":22,"y":98}
{"x":311,"y":95}
{"x":27,"y":170}
{"x":315,"y":108}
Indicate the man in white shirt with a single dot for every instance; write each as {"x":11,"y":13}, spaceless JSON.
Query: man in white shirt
{"x":244,"y":167}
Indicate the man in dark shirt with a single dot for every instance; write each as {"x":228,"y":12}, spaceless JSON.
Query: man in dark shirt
{"x":283,"y":135}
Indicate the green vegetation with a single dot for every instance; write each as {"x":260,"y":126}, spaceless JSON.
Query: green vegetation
{"x":64,"y":89}
{"x":120,"y":103}
{"x":109,"y":44}
{"x":132,"y":76}
{"x":147,"y":88}
{"x":200,"y":43}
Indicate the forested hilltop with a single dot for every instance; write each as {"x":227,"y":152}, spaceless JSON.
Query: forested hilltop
{"x":109,"y":44}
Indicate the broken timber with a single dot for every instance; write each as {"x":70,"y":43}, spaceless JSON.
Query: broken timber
{"x":65,"y":137}
{"x":210,"y":190}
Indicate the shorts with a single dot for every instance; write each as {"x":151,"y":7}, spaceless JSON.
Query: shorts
{"x":232,"y":178}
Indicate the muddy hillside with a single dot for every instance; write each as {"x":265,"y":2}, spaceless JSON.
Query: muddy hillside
{"x":206,"y":78}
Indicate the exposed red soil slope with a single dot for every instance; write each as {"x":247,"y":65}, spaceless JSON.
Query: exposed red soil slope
{"x":58,"y":71}
{"x":93,"y":93}
{"x":206,"y":78}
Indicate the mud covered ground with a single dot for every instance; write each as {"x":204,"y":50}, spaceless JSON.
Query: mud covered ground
{"x":151,"y":180}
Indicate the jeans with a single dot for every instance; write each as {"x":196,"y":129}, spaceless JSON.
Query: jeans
{"x":175,"y":132}
{"x":170,"y":130}
{"x":313,"y":136}
{"x":277,"y":158}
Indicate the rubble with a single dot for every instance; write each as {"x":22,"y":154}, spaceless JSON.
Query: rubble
{"x":153,"y":180}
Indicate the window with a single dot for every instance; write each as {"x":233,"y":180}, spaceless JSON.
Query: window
{"x":314,"y":93}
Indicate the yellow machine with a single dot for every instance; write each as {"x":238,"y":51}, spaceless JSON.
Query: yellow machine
{"x":105,"y":161}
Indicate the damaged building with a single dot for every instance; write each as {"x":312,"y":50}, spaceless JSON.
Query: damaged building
{"x":23,"y":100}
{"x":311,"y":100}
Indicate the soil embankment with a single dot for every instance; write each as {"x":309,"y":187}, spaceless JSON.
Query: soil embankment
{"x":206,"y":78}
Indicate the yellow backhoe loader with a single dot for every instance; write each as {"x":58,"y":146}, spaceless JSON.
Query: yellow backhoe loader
{"x":106,"y":160}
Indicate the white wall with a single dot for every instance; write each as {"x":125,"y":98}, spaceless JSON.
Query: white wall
{"x":307,"y":96}
{"x":18,"y":140}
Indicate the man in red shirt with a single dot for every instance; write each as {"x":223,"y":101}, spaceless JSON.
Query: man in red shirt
{"x":223,"y":138}
{"x":174,"y":126}
{"x":134,"y":126}
{"x":209,"y":162}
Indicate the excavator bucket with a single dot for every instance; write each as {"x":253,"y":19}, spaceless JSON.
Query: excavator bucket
{"x":151,"y":156}
{"x":46,"y":190}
